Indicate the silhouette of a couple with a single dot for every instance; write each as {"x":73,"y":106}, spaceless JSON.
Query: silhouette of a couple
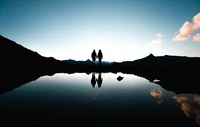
{"x":94,"y":80}
{"x":94,"y":56}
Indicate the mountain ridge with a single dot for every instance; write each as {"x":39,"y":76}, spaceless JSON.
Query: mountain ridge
{"x":25,"y":59}
{"x":171,"y":71}
{"x":86,"y":62}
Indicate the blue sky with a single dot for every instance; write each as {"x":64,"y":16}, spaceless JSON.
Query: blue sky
{"x":122,"y":29}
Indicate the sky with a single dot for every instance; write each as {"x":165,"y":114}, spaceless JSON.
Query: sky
{"x":124,"y":30}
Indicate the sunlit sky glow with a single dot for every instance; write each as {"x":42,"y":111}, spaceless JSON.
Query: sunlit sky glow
{"x":122,"y":29}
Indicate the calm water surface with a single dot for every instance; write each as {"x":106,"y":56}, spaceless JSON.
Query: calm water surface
{"x":70,"y":99}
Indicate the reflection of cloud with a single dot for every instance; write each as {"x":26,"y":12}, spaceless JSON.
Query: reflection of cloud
{"x":188,"y":29}
{"x":189,"y":106}
{"x":158,"y":94}
{"x":196,"y":37}
{"x":157,"y":41}
{"x":186,"y":105}
{"x":197,"y":100}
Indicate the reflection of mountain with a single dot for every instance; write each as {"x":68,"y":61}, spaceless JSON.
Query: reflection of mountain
{"x":8,"y":83}
{"x":20,"y":65}
{"x":180,"y":84}
{"x":174,"y":72}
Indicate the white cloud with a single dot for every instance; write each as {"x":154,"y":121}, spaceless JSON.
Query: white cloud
{"x":196,"y":37}
{"x":186,"y":31}
{"x":157,"y":41}
{"x":159,"y":35}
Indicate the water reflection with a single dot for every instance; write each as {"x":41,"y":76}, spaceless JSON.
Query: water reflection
{"x":157,"y":94}
{"x":93,"y":80}
{"x":189,"y":105}
{"x":197,"y":100}
{"x":125,"y":96}
{"x":99,"y":80}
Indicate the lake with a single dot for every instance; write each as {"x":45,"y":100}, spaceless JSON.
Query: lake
{"x":95,"y":99}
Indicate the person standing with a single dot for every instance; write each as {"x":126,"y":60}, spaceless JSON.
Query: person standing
{"x":100,"y":56}
{"x":94,"y":55}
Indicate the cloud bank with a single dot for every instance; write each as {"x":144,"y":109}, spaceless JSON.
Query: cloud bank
{"x":188,"y":29}
{"x":196,"y":37}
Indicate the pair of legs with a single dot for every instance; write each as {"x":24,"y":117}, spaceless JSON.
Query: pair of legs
{"x":94,"y":61}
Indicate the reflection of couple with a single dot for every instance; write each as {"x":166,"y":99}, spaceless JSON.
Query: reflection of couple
{"x":94,"y":56}
{"x":99,"y":80}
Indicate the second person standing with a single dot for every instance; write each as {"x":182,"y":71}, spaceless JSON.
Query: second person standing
{"x":100,"y":56}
